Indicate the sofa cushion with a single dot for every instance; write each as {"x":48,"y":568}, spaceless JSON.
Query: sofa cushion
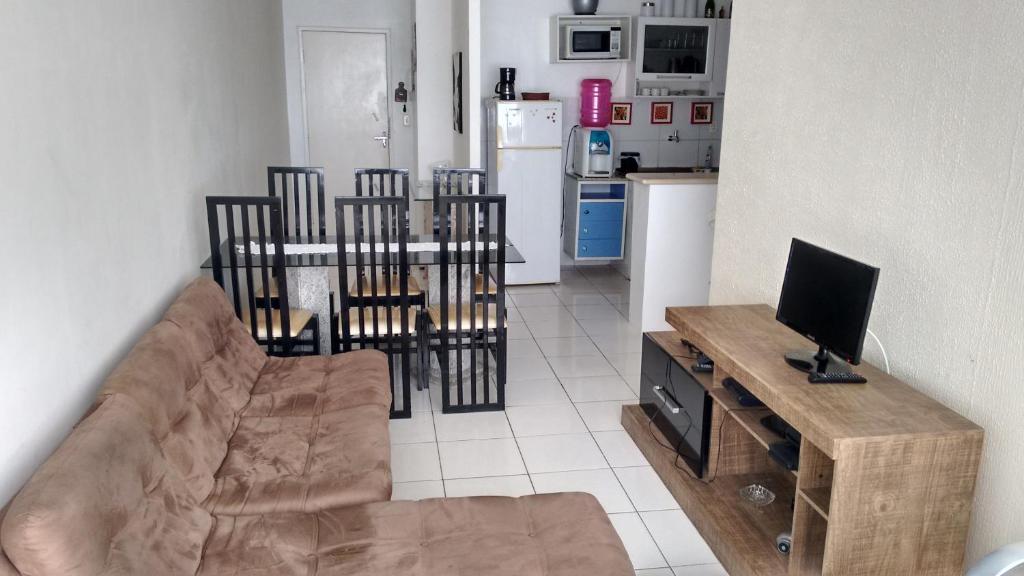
{"x":305,"y":463}
{"x":311,"y":385}
{"x":549,"y":535}
{"x":106,"y":502}
{"x":192,"y":374}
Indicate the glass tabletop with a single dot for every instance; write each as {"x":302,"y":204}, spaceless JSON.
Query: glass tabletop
{"x":418,"y":255}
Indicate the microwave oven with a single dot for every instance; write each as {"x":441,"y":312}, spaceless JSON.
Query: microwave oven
{"x":591,"y":42}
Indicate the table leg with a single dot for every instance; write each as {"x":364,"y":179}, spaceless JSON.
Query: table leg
{"x":309,"y":288}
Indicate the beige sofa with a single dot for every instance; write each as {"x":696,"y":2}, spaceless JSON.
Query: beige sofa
{"x":203,"y":456}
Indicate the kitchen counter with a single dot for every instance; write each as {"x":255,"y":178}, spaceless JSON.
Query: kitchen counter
{"x":671,"y":236}
{"x":672,"y":178}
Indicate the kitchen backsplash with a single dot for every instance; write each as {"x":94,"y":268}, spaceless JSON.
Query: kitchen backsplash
{"x":652,"y":140}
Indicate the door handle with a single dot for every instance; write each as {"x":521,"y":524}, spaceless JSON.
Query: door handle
{"x":383,"y":139}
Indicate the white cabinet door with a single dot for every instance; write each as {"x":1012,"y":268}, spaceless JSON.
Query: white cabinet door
{"x":532,"y":184}
{"x":723,"y":31}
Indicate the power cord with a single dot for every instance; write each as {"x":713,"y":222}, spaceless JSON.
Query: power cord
{"x":565,"y":170}
{"x":689,"y":426}
{"x":882,"y":348}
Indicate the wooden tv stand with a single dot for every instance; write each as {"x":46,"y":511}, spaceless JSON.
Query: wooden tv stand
{"x":886,"y":477}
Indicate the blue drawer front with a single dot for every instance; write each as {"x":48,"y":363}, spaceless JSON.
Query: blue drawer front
{"x":600,"y":248}
{"x":594,"y":211}
{"x":608,"y":229}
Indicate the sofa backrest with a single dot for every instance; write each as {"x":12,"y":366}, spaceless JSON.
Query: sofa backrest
{"x":106,"y":502}
{"x":191,"y":375}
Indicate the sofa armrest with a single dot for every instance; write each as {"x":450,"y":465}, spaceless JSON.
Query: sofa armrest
{"x":999,"y":562}
{"x":6,"y":568}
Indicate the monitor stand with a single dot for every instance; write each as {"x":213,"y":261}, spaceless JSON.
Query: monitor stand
{"x":822,"y":361}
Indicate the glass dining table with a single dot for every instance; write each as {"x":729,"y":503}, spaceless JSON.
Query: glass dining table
{"x":308,"y":264}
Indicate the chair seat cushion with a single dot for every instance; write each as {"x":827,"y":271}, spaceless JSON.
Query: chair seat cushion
{"x":305,"y":463}
{"x":297,"y":321}
{"x":313,"y":385}
{"x":414,"y":287}
{"x":384,"y":328}
{"x":478,"y":285}
{"x":545,"y":535}
{"x":467,"y":321}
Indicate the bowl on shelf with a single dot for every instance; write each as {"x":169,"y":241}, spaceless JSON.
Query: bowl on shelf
{"x":584,"y":7}
{"x":757,"y":495}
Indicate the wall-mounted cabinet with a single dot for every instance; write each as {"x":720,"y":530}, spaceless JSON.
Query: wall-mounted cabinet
{"x":686,"y":57}
{"x":675,"y":49}
{"x":600,"y":38}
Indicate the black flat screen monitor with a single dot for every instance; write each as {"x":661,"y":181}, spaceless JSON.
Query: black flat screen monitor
{"x":827,"y":298}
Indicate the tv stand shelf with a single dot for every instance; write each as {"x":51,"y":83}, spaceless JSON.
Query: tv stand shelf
{"x":877,"y":461}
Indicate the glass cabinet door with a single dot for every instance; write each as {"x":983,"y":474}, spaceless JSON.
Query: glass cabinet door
{"x":683,"y":50}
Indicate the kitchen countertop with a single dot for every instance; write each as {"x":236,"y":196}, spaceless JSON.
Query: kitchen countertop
{"x":672,"y":178}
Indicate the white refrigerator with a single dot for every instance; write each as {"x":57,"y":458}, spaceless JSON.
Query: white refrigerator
{"x":524,"y":163}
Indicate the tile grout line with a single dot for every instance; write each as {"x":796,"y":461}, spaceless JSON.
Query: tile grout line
{"x":619,"y":481}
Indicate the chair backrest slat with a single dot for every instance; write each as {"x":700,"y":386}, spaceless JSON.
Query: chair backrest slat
{"x":239,"y":213}
{"x":296,"y":185}
{"x":468,"y":224}
{"x":368,"y":307}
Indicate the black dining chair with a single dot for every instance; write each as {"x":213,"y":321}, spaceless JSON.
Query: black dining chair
{"x":376,"y":313}
{"x":390,"y":182}
{"x":304,"y":206}
{"x":460,"y":182}
{"x":475,"y":327}
{"x":255,"y":258}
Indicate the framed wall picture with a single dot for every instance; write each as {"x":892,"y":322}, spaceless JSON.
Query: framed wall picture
{"x":622,"y":113}
{"x":457,"y":123}
{"x":702,"y":112}
{"x":661,"y":112}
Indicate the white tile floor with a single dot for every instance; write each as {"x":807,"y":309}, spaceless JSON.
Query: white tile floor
{"x":574,"y":360}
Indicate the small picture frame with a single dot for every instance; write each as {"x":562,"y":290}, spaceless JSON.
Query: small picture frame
{"x":622,"y":113}
{"x":661,"y":112}
{"x":702,"y":113}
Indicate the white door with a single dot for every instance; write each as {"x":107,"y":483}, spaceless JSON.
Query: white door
{"x":345,"y":86}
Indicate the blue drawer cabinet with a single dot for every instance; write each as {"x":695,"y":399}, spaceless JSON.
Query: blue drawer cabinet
{"x":602,"y":211}
{"x":603,"y":248}
{"x":595,"y":218}
{"x":605,"y":229}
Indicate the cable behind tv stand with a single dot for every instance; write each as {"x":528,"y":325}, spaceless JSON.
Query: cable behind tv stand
{"x":878,"y":462}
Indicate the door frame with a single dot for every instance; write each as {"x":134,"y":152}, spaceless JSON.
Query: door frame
{"x":302,"y":79}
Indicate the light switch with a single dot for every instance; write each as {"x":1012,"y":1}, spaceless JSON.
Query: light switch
{"x":406,"y":121}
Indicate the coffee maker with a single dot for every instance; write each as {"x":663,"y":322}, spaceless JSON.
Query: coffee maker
{"x":506,"y":88}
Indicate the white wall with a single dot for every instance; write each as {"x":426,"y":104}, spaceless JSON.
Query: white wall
{"x":435,"y":136}
{"x":467,"y":37}
{"x":396,"y":16}
{"x":125,"y":114}
{"x":894,"y":135}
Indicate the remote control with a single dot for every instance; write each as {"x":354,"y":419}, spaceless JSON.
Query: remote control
{"x":836,"y":378}
{"x":704,"y":365}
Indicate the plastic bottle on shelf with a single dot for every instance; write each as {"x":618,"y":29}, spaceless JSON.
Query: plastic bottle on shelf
{"x":595,"y":102}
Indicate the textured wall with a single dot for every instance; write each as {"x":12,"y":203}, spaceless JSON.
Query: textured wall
{"x":116,"y":118}
{"x":894,"y":134}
